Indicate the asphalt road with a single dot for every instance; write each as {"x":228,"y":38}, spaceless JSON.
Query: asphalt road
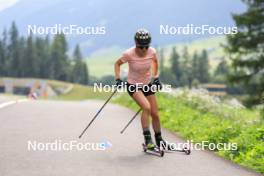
{"x":48,"y":121}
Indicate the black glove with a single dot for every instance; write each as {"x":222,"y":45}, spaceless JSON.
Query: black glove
{"x":119,"y":83}
{"x":157,"y":83}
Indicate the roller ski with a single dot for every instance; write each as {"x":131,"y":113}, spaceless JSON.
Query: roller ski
{"x":153,"y":149}
{"x":168,"y":147}
{"x":186,"y":150}
{"x":149,"y":147}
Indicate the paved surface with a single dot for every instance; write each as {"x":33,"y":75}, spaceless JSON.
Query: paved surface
{"x":47,"y":121}
{"x":4,"y":98}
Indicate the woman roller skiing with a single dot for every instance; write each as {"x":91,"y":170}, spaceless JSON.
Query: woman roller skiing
{"x":143,"y":67}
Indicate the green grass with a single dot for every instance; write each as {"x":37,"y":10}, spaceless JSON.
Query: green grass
{"x":101,"y":62}
{"x":80,"y":92}
{"x":200,"y":119}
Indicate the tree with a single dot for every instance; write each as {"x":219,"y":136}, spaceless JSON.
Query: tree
{"x":175,"y":66}
{"x":222,"y":68}
{"x":203,"y":73}
{"x":38,"y":57}
{"x":13,"y":54}
{"x":3,"y":55}
{"x":2,"y":59}
{"x":59,"y":60}
{"x":30,"y":65}
{"x":80,"y":71}
{"x":107,"y":80}
{"x":186,"y":78}
{"x":221,"y":72}
{"x":43,"y":55}
{"x":161,"y":64}
{"x":246,"y":50}
{"x":85,"y":73}
{"x":169,"y":77}
{"x":23,"y":63}
{"x":196,"y":67}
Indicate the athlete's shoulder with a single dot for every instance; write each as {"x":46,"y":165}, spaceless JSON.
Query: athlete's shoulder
{"x":128,"y":54}
{"x":152,"y":50}
{"x":129,"y":50}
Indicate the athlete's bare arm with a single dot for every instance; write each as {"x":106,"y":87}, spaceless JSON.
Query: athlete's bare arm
{"x":118,"y":63}
{"x":155,"y":67}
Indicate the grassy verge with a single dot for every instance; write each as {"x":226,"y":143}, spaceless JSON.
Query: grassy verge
{"x":200,"y":119}
{"x":80,"y":92}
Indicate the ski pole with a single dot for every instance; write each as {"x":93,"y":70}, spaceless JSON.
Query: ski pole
{"x":97,"y":113}
{"x":130,"y":121}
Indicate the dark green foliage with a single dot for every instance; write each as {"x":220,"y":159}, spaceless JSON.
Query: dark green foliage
{"x":185,"y":70}
{"x":198,"y":119}
{"x":187,"y":76}
{"x":203,"y":67}
{"x":246,"y":50}
{"x":39,"y":58}
{"x":175,"y":67}
{"x":13,"y":52}
{"x":80,"y":71}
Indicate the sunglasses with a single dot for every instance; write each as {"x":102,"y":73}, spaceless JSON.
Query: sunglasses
{"x":142,"y":47}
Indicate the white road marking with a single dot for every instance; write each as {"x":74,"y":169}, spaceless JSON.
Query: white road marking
{"x":9,"y":103}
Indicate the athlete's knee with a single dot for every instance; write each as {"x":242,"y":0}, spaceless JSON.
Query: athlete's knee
{"x":154,"y":114}
{"x":146,"y":107}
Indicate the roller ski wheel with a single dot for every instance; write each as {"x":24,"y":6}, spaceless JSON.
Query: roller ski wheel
{"x":155,"y":150}
{"x":186,"y":150}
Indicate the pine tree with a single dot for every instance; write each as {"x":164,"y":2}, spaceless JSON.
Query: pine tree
{"x":161,"y":61}
{"x":42,"y":53}
{"x":80,"y":70}
{"x":222,"y":68}
{"x":23,"y":63}
{"x":13,"y":53}
{"x":30,"y":61}
{"x":203,"y":74}
{"x":46,"y":64}
{"x":85,"y":73}
{"x":175,"y":66}
{"x":221,"y":72}
{"x":77,"y":69}
{"x":2,"y":59}
{"x":37,"y":57}
{"x":59,"y":59}
{"x":3,"y":55}
{"x":195,"y":67}
{"x":186,"y":78}
{"x":246,"y":50}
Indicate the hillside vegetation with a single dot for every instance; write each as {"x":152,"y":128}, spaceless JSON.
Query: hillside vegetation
{"x":199,"y":117}
{"x":101,"y":62}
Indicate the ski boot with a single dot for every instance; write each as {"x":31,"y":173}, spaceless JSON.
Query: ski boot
{"x":148,"y":141}
{"x":149,"y":147}
{"x":162,"y":143}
